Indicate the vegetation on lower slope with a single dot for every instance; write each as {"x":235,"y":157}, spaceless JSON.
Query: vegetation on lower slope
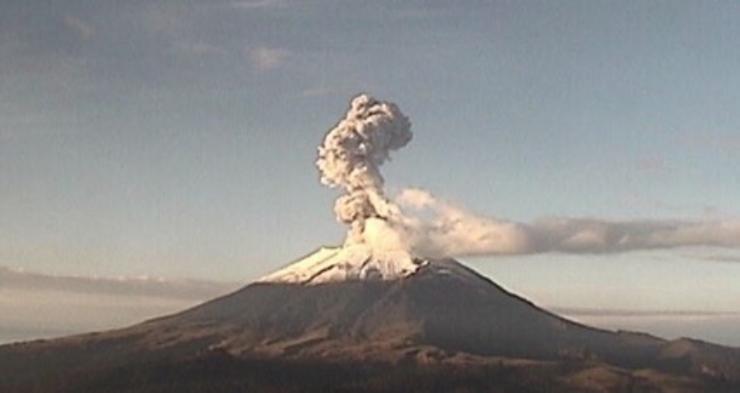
{"x":222,"y":373}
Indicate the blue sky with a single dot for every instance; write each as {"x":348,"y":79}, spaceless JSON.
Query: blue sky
{"x":177,"y":138}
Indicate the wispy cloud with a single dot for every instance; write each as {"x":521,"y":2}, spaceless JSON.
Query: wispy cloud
{"x":600,"y":312}
{"x":716,"y":257}
{"x":13,"y":279}
{"x":166,"y":18}
{"x":715,"y":326}
{"x":37,"y":305}
{"x":266,"y":59}
{"x":724,"y":258}
{"x":83,"y":29}
{"x":256,"y":4}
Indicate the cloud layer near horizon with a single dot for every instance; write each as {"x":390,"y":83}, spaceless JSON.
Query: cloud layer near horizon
{"x":36,"y":305}
{"x":12,"y":279}
{"x":432,"y":227}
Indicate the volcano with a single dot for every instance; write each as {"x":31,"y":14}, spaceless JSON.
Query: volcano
{"x":347,"y":319}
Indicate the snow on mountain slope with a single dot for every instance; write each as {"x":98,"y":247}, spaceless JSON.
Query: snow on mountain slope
{"x":352,"y":262}
{"x":385,"y":307}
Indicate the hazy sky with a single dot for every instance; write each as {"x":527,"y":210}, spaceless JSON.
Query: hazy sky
{"x":177,"y":138}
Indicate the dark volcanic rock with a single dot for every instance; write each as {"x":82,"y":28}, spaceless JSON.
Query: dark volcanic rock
{"x":443,"y":316}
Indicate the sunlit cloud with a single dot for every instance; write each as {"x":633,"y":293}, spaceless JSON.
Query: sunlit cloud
{"x":434,"y":227}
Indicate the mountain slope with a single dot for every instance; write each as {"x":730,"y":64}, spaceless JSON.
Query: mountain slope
{"x":323,"y":310}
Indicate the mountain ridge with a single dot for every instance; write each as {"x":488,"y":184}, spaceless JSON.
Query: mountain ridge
{"x":443,"y":315}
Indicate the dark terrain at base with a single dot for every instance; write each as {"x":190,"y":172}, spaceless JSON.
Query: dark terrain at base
{"x":445,"y":329}
{"x":221,"y":373}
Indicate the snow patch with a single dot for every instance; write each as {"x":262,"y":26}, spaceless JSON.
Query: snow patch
{"x":351,"y":262}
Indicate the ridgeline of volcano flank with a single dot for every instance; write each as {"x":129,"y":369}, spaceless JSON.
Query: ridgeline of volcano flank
{"x":440,"y":324}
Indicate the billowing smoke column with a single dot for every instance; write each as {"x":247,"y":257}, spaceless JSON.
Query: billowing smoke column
{"x":353,"y":151}
{"x":351,"y":155}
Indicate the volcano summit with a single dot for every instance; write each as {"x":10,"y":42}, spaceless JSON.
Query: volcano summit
{"x":389,"y":310}
{"x":343,"y":319}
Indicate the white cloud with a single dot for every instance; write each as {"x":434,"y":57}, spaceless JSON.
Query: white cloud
{"x":265,"y":59}
{"x":81,"y":28}
{"x":437,"y":228}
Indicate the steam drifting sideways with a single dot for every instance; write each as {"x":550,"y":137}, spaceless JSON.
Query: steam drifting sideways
{"x":448,"y":230}
{"x":417,"y":223}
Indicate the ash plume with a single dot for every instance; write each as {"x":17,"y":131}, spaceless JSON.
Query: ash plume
{"x":351,"y":155}
{"x":417,"y":223}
